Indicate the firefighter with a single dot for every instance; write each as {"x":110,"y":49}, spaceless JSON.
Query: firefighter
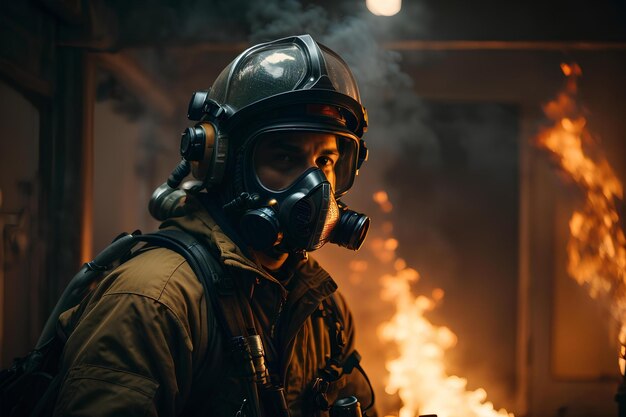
{"x":277,"y":143}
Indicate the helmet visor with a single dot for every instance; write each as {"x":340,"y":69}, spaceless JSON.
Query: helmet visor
{"x":281,"y":157}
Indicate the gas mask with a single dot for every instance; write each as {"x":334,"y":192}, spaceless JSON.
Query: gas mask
{"x":292,"y":178}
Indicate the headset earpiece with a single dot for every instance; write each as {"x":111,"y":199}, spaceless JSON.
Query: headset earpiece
{"x":193,"y":143}
{"x":197,"y":145}
{"x":202,"y":145}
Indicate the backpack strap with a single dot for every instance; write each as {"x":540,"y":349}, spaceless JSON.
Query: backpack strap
{"x":228,"y":305}
{"x":218,"y":285}
{"x":225,"y":302}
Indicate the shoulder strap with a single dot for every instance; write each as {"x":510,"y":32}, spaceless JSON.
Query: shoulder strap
{"x":340,"y":362}
{"x":218,"y":285}
{"x":224,"y":302}
{"x":335,"y":367}
{"x":228,"y":303}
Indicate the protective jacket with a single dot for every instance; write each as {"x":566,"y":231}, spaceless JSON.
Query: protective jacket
{"x":144,"y":342}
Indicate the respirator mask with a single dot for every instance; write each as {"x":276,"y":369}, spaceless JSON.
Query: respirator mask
{"x":292,"y":178}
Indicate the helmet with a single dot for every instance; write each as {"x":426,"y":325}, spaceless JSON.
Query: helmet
{"x":289,"y":71}
{"x":284,"y":90}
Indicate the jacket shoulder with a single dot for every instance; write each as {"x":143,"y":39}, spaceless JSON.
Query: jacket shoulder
{"x":152,"y":273}
{"x":161,"y":275}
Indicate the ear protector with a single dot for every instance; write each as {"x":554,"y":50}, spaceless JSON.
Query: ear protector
{"x":204,"y":153}
{"x":203,"y":145}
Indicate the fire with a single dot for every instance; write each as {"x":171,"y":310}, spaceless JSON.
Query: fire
{"x":418,"y":373}
{"x":597,"y":246}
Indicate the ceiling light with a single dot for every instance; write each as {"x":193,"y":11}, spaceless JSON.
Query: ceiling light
{"x":384,"y":7}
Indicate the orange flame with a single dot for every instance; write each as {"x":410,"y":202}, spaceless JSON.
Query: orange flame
{"x":418,"y":372}
{"x":597,"y":246}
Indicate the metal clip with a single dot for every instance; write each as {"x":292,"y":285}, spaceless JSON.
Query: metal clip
{"x":320,"y":388}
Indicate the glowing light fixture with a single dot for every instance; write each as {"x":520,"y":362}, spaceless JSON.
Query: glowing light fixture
{"x":384,"y":7}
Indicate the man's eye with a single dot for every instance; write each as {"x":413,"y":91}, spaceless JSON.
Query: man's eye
{"x":324,"y":161}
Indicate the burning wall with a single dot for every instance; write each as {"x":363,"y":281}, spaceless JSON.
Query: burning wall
{"x":597,"y":247}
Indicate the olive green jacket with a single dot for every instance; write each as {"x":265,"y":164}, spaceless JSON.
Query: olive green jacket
{"x":145,"y":344}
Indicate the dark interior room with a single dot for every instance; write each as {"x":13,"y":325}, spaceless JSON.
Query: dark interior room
{"x":493,"y":279}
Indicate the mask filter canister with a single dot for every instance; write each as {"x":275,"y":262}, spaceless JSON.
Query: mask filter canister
{"x":260,"y":228}
{"x":351,"y":230}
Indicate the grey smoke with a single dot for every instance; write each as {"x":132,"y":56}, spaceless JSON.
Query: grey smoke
{"x":396,"y":114}
{"x":276,"y":19}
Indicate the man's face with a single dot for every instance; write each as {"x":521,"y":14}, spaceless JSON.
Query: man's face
{"x":282,"y":157}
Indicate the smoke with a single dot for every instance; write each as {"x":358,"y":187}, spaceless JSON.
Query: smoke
{"x":396,"y":114}
{"x":277,"y":19}
{"x":123,"y":101}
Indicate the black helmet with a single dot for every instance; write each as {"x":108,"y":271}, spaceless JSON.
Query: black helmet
{"x":286,"y":72}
